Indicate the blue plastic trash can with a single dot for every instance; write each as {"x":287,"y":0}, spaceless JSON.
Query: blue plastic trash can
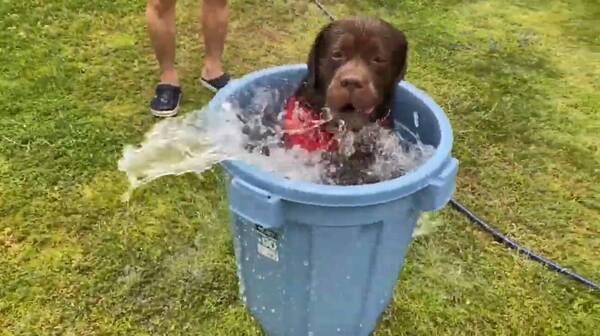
{"x":322,"y":260}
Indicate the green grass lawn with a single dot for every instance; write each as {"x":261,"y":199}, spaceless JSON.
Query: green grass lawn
{"x":518,"y":79}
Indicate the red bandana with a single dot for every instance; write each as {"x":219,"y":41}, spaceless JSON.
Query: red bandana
{"x":305,"y":128}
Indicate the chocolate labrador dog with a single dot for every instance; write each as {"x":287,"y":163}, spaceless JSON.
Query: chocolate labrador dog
{"x":353,"y":68}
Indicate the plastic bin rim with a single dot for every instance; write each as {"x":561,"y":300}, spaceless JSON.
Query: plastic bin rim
{"x":320,"y":194}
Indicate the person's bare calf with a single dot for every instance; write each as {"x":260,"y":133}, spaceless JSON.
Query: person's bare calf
{"x":160,"y":15}
{"x":214,"y":19}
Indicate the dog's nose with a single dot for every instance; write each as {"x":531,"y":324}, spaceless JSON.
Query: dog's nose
{"x":352,"y":82}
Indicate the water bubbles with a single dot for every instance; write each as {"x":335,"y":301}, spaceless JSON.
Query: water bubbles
{"x":273,"y":310}
{"x":416,"y":118}
{"x":305,"y":263}
{"x":347,"y":277}
{"x":347,"y":144}
{"x":373,"y":154}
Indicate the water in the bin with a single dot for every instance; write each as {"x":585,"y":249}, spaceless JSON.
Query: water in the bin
{"x":198,"y":140}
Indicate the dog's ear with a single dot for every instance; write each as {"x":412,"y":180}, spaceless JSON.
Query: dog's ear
{"x":401,"y":55}
{"x":312,"y":78}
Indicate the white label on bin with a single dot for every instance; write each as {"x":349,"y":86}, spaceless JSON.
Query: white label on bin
{"x":267,"y":243}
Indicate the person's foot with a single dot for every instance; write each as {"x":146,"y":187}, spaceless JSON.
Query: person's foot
{"x":217,"y":83}
{"x":166,"y":101}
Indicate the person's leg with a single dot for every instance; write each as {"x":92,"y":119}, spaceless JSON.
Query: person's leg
{"x":215,"y":17}
{"x":161,"y":25}
{"x":160,"y":15}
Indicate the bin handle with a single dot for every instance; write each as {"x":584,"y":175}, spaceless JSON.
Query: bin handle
{"x":255,"y":205}
{"x":440,"y":188}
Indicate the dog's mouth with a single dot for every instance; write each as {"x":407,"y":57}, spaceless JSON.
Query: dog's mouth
{"x":348,"y":108}
{"x":351,"y":108}
{"x":349,"y":117}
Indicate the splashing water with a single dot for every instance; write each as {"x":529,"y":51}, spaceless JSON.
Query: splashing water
{"x":372,"y":155}
{"x":197,"y":141}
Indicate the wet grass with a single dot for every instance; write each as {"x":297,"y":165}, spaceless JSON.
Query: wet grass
{"x":518,"y":81}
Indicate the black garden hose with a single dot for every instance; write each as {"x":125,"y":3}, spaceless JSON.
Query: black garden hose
{"x":498,"y":236}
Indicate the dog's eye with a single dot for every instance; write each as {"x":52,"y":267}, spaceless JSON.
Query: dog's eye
{"x":337,"y":55}
{"x":378,"y":60}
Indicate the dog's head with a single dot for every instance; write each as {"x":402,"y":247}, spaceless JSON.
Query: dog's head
{"x":353,"y":68}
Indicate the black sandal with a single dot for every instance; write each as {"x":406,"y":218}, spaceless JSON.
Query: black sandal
{"x":166,"y":100}
{"x":216,"y":84}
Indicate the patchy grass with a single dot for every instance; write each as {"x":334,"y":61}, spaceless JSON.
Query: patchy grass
{"x":518,"y":81}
